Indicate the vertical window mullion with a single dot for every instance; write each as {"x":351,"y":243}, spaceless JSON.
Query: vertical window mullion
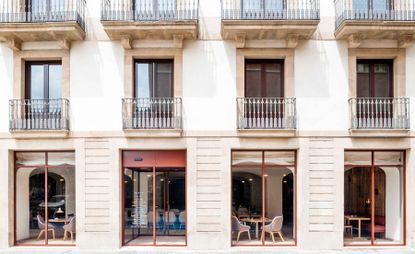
{"x":46,"y":201}
{"x":154,"y":205}
{"x":372,"y":193}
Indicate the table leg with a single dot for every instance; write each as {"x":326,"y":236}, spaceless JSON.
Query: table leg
{"x":359,"y":225}
{"x":256,"y":229}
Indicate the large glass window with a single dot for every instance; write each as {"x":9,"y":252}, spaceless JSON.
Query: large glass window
{"x":154,"y":198}
{"x":263,"y":198}
{"x":374,"y":198}
{"x":45,"y":198}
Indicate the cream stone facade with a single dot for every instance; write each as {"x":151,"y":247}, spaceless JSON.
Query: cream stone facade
{"x":97,"y":72}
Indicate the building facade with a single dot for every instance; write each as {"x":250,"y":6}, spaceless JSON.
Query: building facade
{"x":194,"y":125}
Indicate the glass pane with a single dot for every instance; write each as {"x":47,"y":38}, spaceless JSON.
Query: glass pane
{"x":30,"y":158}
{"x":273,"y":77}
{"x":144,"y":5}
{"x":38,"y":5}
{"x":246,"y":198}
{"x":381,"y":5}
{"x":246,"y":159}
{"x":61,"y":159}
{"x":382,"y":80}
{"x":55,"y":81}
{"x":252,"y":5}
{"x":253,"y":80}
{"x":274,"y":5}
{"x":166,"y":5}
{"x":61,"y":205}
{"x":389,"y":158}
{"x":30,"y":206}
{"x":357,"y":158}
{"x":389,"y":205}
{"x":357,"y":205}
{"x":139,"y":219}
{"x":363,"y":80}
{"x":171,"y":206}
{"x":361,"y":5}
{"x":143,"y":80}
{"x":164,"y":78}
{"x":37,"y":80}
{"x":279,"y":200}
{"x":280,"y":158}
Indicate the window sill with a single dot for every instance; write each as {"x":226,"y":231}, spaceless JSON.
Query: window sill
{"x":281,"y":133}
{"x":150,"y":133}
{"x":33,"y":134}
{"x":379,"y":133}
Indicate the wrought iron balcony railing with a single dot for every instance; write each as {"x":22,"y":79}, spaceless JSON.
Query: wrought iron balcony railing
{"x":402,"y":10}
{"x":266,"y":113}
{"x":39,"y":114}
{"x":149,"y":10}
{"x":152,"y":113}
{"x":270,"y":10}
{"x":379,"y":113}
{"x":13,"y":11}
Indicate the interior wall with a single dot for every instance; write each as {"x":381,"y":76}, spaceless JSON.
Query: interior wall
{"x":394,"y":203}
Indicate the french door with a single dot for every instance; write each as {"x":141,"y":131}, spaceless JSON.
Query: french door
{"x":154,"y":198}
{"x":372,"y":9}
{"x":155,"y":9}
{"x":263,"y":9}
{"x":375,"y":93}
{"x":46,"y":10}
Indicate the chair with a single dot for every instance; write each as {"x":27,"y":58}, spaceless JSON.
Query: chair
{"x":42,"y":227}
{"x":274,"y":227}
{"x":380,"y":225}
{"x":237,"y":226}
{"x":169,"y":219}
{"x":182,"y":219}
{"x":150,"y":219}
{"x":348,"y":229}
{"x":69,"y":228}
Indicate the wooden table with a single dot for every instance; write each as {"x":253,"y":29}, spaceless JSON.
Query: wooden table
{"x":256,"y":221}
{"x":359,"y":220}
{"x":57,"y":220}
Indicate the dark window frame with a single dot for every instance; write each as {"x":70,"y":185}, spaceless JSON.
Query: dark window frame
{"x":372,"y":85}
{"x":46,"y":83}
{"x":264,"y":62}
{"x":154,"y":80}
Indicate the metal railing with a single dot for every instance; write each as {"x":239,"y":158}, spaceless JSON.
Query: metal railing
{"x":379,"y":113}
{"x":152,"y":113}
{"x":270,"y":9}
{"x":266,"y":113}
{"x":39,"y":114}
{"x":400,"y":10}
{"x":149,"y":10}
{"x":13,"y":11}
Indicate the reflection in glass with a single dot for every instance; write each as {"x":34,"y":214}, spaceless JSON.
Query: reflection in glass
{"x":379,"y":187}
{"x":263,"y":195}
{"x":45,"y":200}
{"x":139,"y":219}
{"x":163,"y":223}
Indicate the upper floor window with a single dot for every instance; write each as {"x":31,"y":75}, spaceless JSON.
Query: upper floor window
{"x":153,"y":78}
{"x":375,"y":78}
{"x":44,"y":80}
{"x":373,"y":5}
{"x":264,"y":78}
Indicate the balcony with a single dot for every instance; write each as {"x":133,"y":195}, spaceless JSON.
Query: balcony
{"x":129,"y":20}
{"x":359,"y":20}
{"x":291,"y":21}
{"x":379,"y":114}
{"x":39,"y":115}
{"x":55,"y":20}
{"x":152,"y":113}
{"x":266,"y":114}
